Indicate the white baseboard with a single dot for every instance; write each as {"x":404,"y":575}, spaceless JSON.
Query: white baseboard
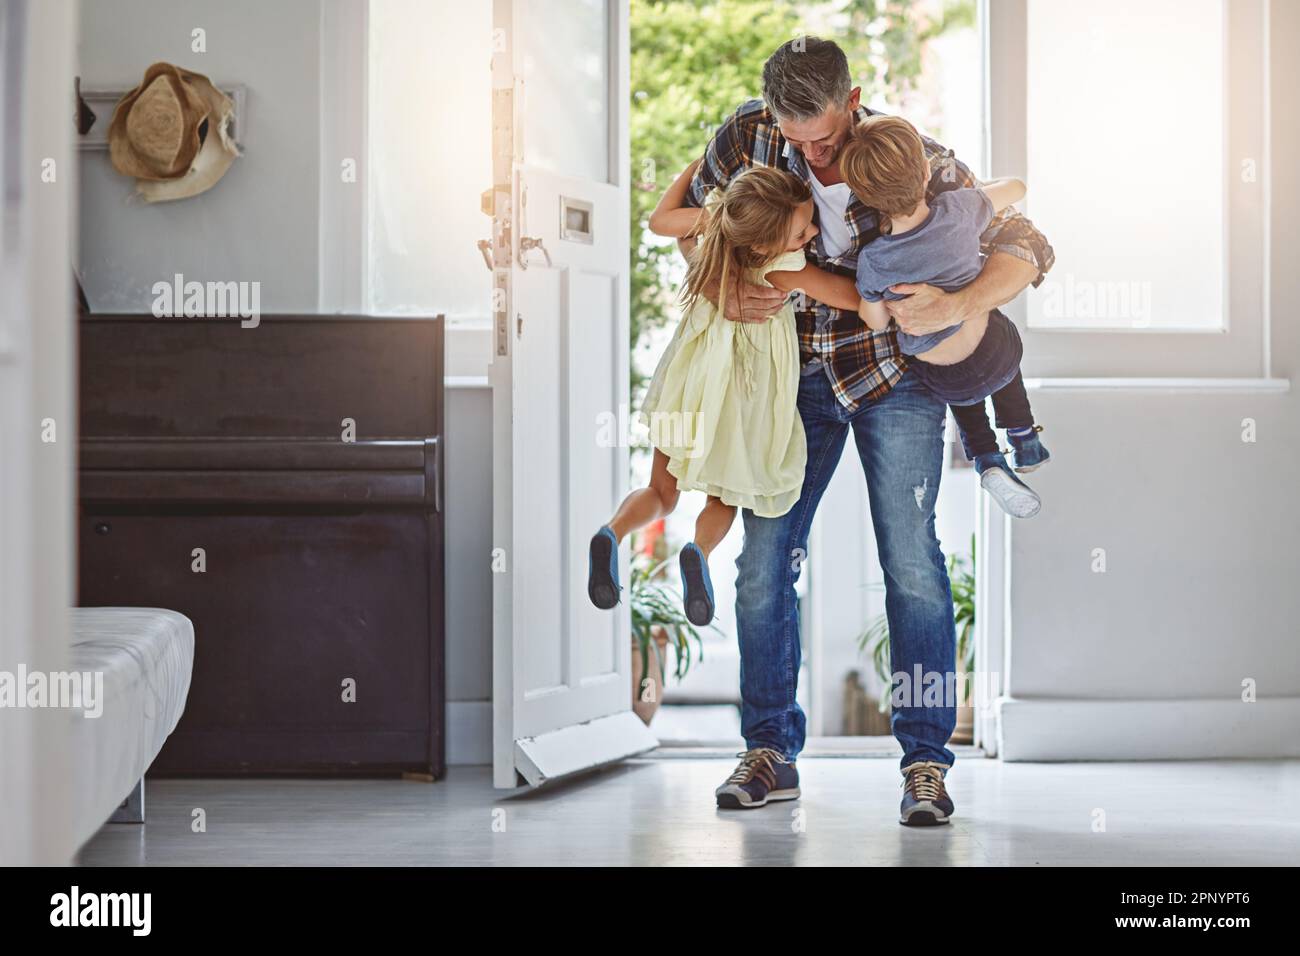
{"x":469,"y":733}
{"x":1069,"y":729}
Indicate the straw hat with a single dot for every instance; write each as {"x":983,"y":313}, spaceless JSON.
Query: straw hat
{"x":172,"y":134}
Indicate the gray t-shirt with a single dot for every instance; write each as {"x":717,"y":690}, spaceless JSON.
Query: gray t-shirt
{"x":943,"y":251}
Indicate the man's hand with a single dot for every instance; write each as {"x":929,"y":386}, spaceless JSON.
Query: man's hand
{"x":927,"y":308}
{"x":747,"y":302}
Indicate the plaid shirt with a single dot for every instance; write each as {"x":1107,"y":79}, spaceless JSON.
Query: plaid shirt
{"x":862,"y":365}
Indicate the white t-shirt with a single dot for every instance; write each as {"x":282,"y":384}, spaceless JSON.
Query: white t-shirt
{"x":832,"y":202}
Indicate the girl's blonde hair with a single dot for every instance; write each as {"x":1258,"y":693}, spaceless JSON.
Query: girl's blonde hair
{"x":884,"y":164}
{"x":746,"y":230}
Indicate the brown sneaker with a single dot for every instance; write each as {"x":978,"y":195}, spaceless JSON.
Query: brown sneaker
{"x":762,"y":775}
{"x":925,"y":800}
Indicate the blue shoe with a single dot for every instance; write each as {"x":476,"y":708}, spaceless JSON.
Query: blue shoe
{"x":925,"y":800}
{"x":1028,"y":451}
{"x":697,"y":589}
{"x":1012,"y":495}
{"x":602,"y":569}
{"x":762,"y":775}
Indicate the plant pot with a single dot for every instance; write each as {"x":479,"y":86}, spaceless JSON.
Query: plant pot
{"x":647,"y":698}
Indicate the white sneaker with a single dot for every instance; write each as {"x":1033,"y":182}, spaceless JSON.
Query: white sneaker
{"x":1012,"y":495}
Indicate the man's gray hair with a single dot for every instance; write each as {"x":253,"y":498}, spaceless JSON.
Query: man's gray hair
{"x":805,"y":76}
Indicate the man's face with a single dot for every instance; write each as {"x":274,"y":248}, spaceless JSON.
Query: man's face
{"x":820,"y":139}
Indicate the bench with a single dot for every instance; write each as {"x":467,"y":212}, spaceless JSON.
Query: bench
{"x":146,"y":656}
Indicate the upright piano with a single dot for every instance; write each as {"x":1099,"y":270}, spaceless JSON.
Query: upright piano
{"x":281,"y":486}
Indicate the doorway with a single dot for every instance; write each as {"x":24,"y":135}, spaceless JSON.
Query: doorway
{"x":935,"y":80}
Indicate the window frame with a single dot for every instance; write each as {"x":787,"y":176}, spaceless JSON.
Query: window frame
{"x":1241,"y":348}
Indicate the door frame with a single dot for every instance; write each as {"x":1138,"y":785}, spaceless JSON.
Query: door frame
{"x":37,"y":382}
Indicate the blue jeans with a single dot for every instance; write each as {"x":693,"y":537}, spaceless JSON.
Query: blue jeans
{"x":900,"y":441}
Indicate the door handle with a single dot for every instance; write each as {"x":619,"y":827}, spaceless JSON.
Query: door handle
{"x":485,"y":247}
{"x":526,"y":245}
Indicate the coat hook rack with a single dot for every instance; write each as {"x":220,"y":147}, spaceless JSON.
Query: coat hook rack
{"x":101,"y":102}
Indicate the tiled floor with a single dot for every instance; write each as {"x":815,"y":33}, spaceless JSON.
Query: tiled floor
{"x":660,"y":812}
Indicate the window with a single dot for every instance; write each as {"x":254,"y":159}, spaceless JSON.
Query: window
{"x":563,"y":129}
{"x":1140,"y":129}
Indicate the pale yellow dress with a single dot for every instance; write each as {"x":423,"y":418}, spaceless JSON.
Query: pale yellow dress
{"x":721,"y":406}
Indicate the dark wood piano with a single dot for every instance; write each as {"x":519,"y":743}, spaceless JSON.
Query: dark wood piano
{"x":216,"y":480}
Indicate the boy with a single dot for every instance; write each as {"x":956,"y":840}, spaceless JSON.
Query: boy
{"x":938,"y":243}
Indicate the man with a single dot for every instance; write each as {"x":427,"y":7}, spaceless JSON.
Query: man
{"x":852,"y":379}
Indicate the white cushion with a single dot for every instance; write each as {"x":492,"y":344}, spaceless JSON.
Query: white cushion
{"x":146,"y":656}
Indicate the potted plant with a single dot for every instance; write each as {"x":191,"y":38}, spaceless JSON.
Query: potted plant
{"x":658,"y":622}
{"x":875,"y":641}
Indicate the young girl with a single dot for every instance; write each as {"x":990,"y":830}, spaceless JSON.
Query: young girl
{"x":721,"y":405}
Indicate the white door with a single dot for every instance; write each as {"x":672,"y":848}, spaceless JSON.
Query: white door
{"x":561,"y":668}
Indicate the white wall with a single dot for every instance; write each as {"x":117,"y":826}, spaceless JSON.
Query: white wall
{"x":259,"y":223}
{"x":1200,"y":532}
{"x":408,"y":101}
{"x":468,"y":570}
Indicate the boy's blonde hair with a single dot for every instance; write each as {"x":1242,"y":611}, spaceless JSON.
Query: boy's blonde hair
{"x":884,"y":164}
{"x":746,"y":230}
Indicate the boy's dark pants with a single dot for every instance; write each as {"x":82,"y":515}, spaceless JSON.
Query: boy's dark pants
{"x":992,"y":369}
{"x":1010,"y":408}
